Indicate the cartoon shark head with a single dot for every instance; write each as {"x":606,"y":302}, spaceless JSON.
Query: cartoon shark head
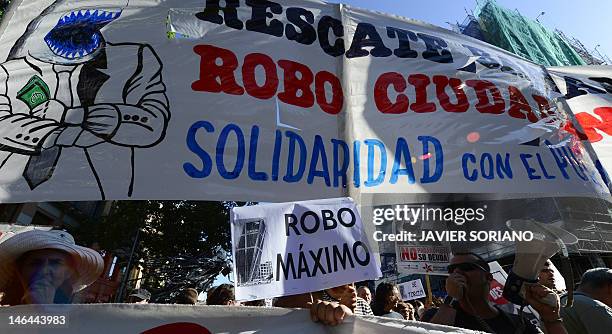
{"x":68,"y":31}
{"x":77,"y":34}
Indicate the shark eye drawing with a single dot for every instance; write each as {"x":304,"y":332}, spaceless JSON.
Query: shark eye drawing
{"x":77,"y":34}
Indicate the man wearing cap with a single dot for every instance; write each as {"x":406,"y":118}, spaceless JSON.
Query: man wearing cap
{"x":45,"y":267}
{"x":467,"y":305}
{"x":591,"y":312}
{"x":139,"y":296}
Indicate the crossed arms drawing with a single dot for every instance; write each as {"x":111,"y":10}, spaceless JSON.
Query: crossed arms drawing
{"x":118,"y":98}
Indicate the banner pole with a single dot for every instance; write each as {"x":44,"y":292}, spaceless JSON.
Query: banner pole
{"x":428,"y":284}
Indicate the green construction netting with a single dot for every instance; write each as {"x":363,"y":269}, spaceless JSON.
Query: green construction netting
{"x":510,"y":30}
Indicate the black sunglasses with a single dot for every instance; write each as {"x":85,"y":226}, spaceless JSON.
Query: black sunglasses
{"x":465,"y":266}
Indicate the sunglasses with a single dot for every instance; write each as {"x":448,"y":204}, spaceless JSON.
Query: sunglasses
{"x":466,"y":266}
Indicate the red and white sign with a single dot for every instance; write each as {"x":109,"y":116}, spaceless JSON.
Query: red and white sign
{"x":423,"y":259}
{"x":588,"y":92}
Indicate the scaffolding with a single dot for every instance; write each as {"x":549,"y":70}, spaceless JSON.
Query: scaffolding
{"x":470,"y":27}
{"x":527,"y":38}
{"x":586,"y":55}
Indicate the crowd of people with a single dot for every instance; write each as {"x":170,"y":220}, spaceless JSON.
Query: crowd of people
{"x":47,"y":267}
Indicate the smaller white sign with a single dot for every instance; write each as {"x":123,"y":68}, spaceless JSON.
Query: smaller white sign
{"x":419,"y":259}
{"x":284,"y":249}
{"x":412,"y":290}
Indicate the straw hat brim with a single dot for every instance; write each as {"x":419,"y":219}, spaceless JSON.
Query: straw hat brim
{"x":88,"y":263}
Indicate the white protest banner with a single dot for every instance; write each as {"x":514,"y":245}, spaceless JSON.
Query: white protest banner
{"x":412,"y":290}
{"x":180,"y":319}
{"x":588,"y":92}
{"x":274,"y":101}
{"x":421,"y":259}
{"x":291,"y":248}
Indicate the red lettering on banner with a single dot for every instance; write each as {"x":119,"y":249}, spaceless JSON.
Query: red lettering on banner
{"x":543,"y":105}
{"x":483,"y":88}
{"x":590,"y":124}
{"x":518,"y":104}
{"x":335,"y":106}
{"x":216,"y":78}
{"x":381,"y":98}
{"x":569,"y":127}
{"x":420,"y":83}
{"x":217,"y":75}
{"x":217,"y":67}
{"x":441,"y":82}
{"x":268,"y":89}
{"x":297,"y":88}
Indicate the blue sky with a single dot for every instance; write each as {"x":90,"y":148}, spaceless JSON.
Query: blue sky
{"x":587,"y":20}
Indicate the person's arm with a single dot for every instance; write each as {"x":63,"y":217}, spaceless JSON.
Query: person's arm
{"x":444,"y":316}
{"x":20,"y":133}
{"x":144,"y":112}
{"x":549,"y":314}
{"x":140,"y":119}
{"x":596,"y":319}
{"x":455,"y":285}
{"x":329,"y":313}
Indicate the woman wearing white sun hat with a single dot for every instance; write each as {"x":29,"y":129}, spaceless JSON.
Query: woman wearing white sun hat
{"x":45,"y":267}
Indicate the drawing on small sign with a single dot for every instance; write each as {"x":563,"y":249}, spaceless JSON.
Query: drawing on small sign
{"x":249,"y":267}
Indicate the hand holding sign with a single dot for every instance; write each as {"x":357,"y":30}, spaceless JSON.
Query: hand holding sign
{"x":329,"y":313}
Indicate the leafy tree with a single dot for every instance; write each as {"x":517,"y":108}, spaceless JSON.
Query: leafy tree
{"x":180,"y":243}
{"x":3,"y":5}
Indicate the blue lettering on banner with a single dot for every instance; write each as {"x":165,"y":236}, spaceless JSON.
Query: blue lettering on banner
{"x":221,"y":152}
{"x":253,"y":174}
{"x":311,"y":161}
{"x":293,"y":139}
{"x":371,"y":143}
{"x":298,"y":157}
{"x":192,"y":144}
{"x":402,"y":153}
{"x":357,"y":168}
{"x":464,"y":160}
{"x":564,"y":158}
{"x":340,"y":171}
{"x":530,"y":171}
{"x":489,"y":167}
{"x":276,"y":155}
{"x":427,"y":159}
{"x":318,"y":150}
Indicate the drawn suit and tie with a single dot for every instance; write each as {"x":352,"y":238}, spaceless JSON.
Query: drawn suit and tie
{"x":79,"y":116}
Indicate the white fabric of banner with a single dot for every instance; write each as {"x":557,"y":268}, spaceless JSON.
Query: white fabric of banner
{"x":296,"y":100}
{"x":588,"y":92}
{"x":172,"y":319}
